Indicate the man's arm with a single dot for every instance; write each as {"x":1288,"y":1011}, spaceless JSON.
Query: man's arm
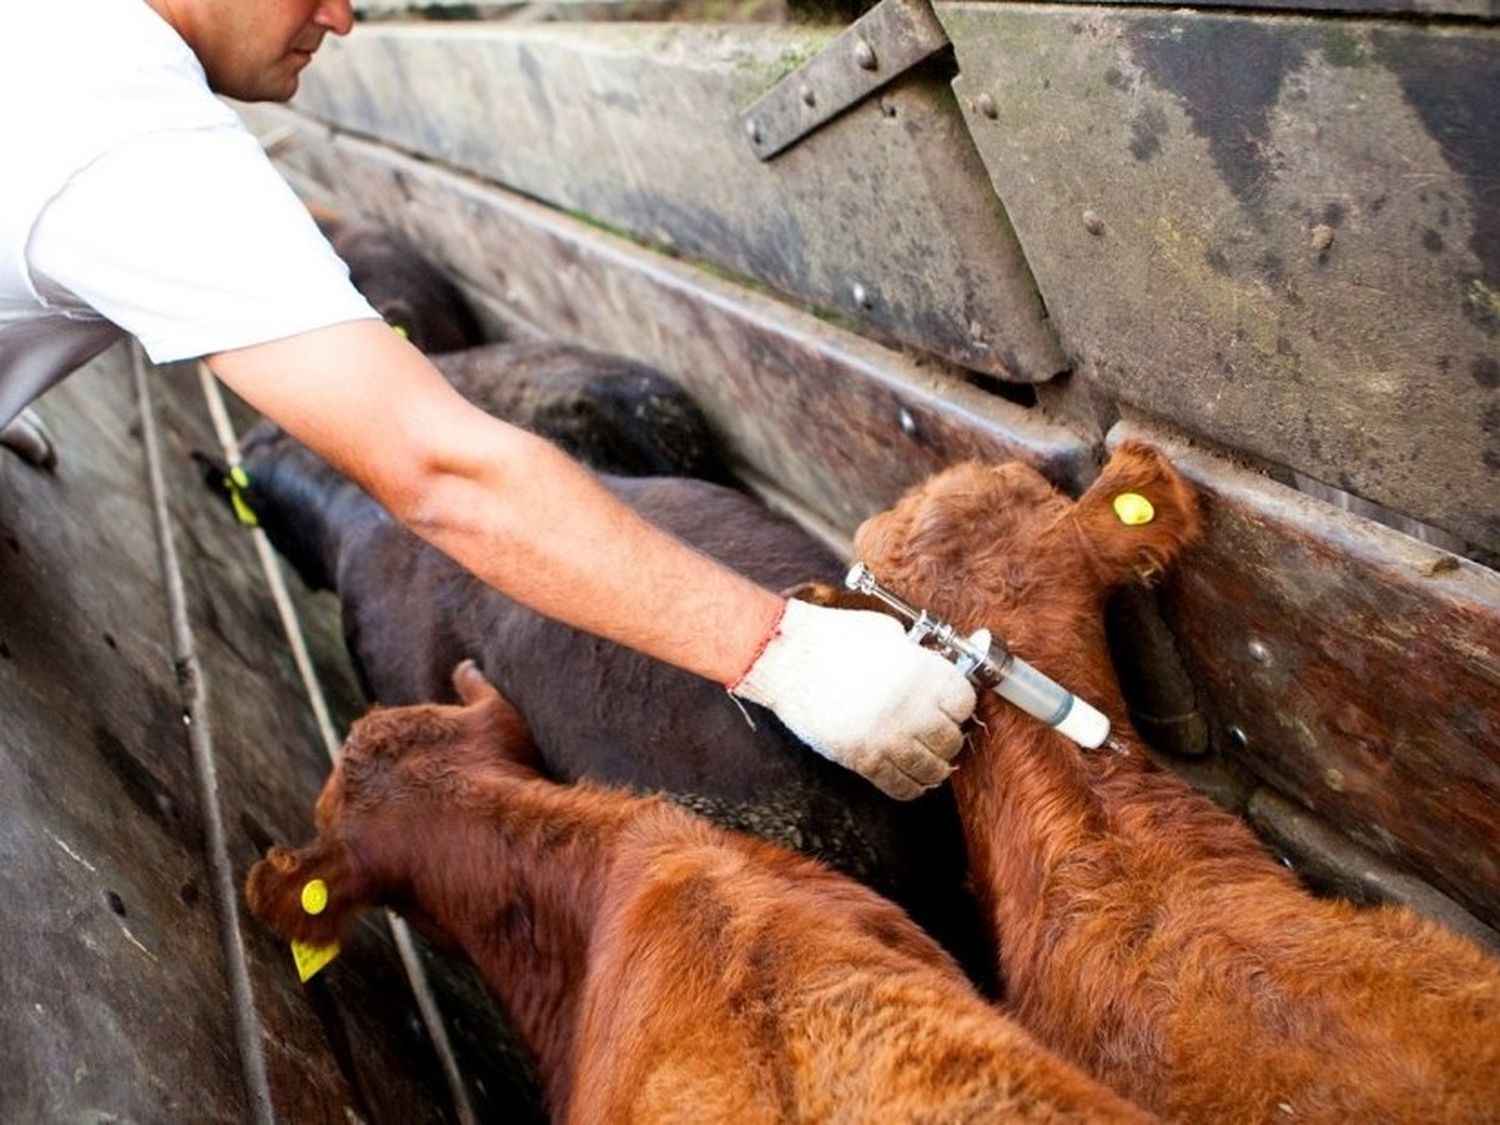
{"x":521,"y":515}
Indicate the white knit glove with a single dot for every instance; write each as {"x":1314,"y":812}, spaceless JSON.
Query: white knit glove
{"x":853,"y":687}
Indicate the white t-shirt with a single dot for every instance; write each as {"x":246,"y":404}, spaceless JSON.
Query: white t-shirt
{"x":132,"y":199}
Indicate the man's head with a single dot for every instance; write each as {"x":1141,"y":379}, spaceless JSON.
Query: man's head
{"x":254,"y":50}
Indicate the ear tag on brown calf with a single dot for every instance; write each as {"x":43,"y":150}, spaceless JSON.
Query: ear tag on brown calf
{"x":311,"y":958}
{"x":1134,"y":509}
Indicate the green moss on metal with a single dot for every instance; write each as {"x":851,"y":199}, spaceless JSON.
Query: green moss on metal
{"x":1342,"y":49}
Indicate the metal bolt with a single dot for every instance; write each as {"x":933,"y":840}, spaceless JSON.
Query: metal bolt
{"x":862,"y":296}
{"x":864,"y":55}
{"x":986,"y":105}
{"x":1238,"y":738}
{"x":753,"y":128}
{"x":908,"y":423}
{"x":1092,"y":222}
{"x":808,"y":97}
{"x":1322,"y":237}
{"x":1259,"y":652}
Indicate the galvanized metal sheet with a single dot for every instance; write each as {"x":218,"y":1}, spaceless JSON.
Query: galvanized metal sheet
{"x":885,"y":215}
{"x":1351,"y":666}
{"x":876,"y":49}
{"x":1282,"y":234}
{"x":840,"y":423}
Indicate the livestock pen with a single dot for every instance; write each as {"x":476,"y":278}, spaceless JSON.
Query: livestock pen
{"x":1261,"y":238}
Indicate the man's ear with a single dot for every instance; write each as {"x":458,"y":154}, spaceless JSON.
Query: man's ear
{"x":1138,"y":515}
{"x":283,"y":890}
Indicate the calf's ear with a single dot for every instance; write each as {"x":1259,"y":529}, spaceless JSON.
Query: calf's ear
{"x":835,"y":597}
{"x":1138,"y":515}
{"x":307,"y":894}
{"x":503,"y":728}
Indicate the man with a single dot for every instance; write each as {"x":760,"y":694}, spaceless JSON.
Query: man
{"x":134,"y":201}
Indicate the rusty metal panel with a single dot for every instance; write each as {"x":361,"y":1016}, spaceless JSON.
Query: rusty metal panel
{"x":1281,"y":233}
{"x":842,"y":424}
{"x":874,"y":51}
{"x":885,"y":215}
{"x":1352,"y":667}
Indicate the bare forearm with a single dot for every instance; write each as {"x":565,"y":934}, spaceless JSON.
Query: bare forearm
{"x":546,"y":532}
{"x":504,"y":504}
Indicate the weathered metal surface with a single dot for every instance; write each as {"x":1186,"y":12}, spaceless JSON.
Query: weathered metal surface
{"x":885,"y":215}
{"x":1351,"y":667}
{"x":1411,"y":8}
{"x":841,"y":424}
{"x":1330,"y":862}
{"x":116,"y":1005}
{"x":874,"y":51}
{"x":1283,"y":234}
{"x":356,"y":1026}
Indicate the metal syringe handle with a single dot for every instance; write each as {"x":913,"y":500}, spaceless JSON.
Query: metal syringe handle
{"x":989,"y":663}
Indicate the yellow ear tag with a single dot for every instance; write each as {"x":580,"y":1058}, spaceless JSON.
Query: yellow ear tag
{"x":311,"y":958}
{"x":237,"y":481}
{"x":1134,"y":509}
{"x":315,"y":896}
{"x":400,"y":330}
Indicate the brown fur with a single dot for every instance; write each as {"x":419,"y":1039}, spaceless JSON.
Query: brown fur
{"x":661,"y":969}
{"x":1144,"y":933}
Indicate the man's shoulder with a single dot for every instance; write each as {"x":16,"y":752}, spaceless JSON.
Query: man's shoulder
{"x":104,"y":59}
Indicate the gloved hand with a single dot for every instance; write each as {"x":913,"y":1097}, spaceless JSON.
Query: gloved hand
{"x":849,"y":684}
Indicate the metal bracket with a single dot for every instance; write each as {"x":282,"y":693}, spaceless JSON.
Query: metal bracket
{"x":877,"y":48}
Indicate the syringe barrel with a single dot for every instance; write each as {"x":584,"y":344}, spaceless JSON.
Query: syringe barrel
{"x":1034,"y":693}
{"x":1053,"y":704}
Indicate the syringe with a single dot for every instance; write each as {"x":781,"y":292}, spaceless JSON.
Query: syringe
{"x":989,"y":663}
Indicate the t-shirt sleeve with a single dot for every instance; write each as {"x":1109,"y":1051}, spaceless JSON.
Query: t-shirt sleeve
{"x":192,"y":242}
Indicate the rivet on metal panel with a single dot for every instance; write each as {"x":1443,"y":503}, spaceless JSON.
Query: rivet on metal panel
{"x":864,"y":55}
{"x":862,"y":296}
{"x":908,"y":423}
{"x":808,"y":97}
{"x":1259,"y":652}
{"x":1092,"y":222}
{"x":986,"y":105}
{"x":752,"y":129}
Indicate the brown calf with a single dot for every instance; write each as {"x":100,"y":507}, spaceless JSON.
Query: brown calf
{"x":1144,"y":933}
{"x":661,"y":969}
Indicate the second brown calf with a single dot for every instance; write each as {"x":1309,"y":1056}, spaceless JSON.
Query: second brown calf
{"x":1143,"y":932}
{"x":661,"y":969}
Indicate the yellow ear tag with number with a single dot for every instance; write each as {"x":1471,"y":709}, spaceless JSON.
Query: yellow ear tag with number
{"x":311,"y":958}
{"x":1134,"y":509}
{"x":237,"y":481}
